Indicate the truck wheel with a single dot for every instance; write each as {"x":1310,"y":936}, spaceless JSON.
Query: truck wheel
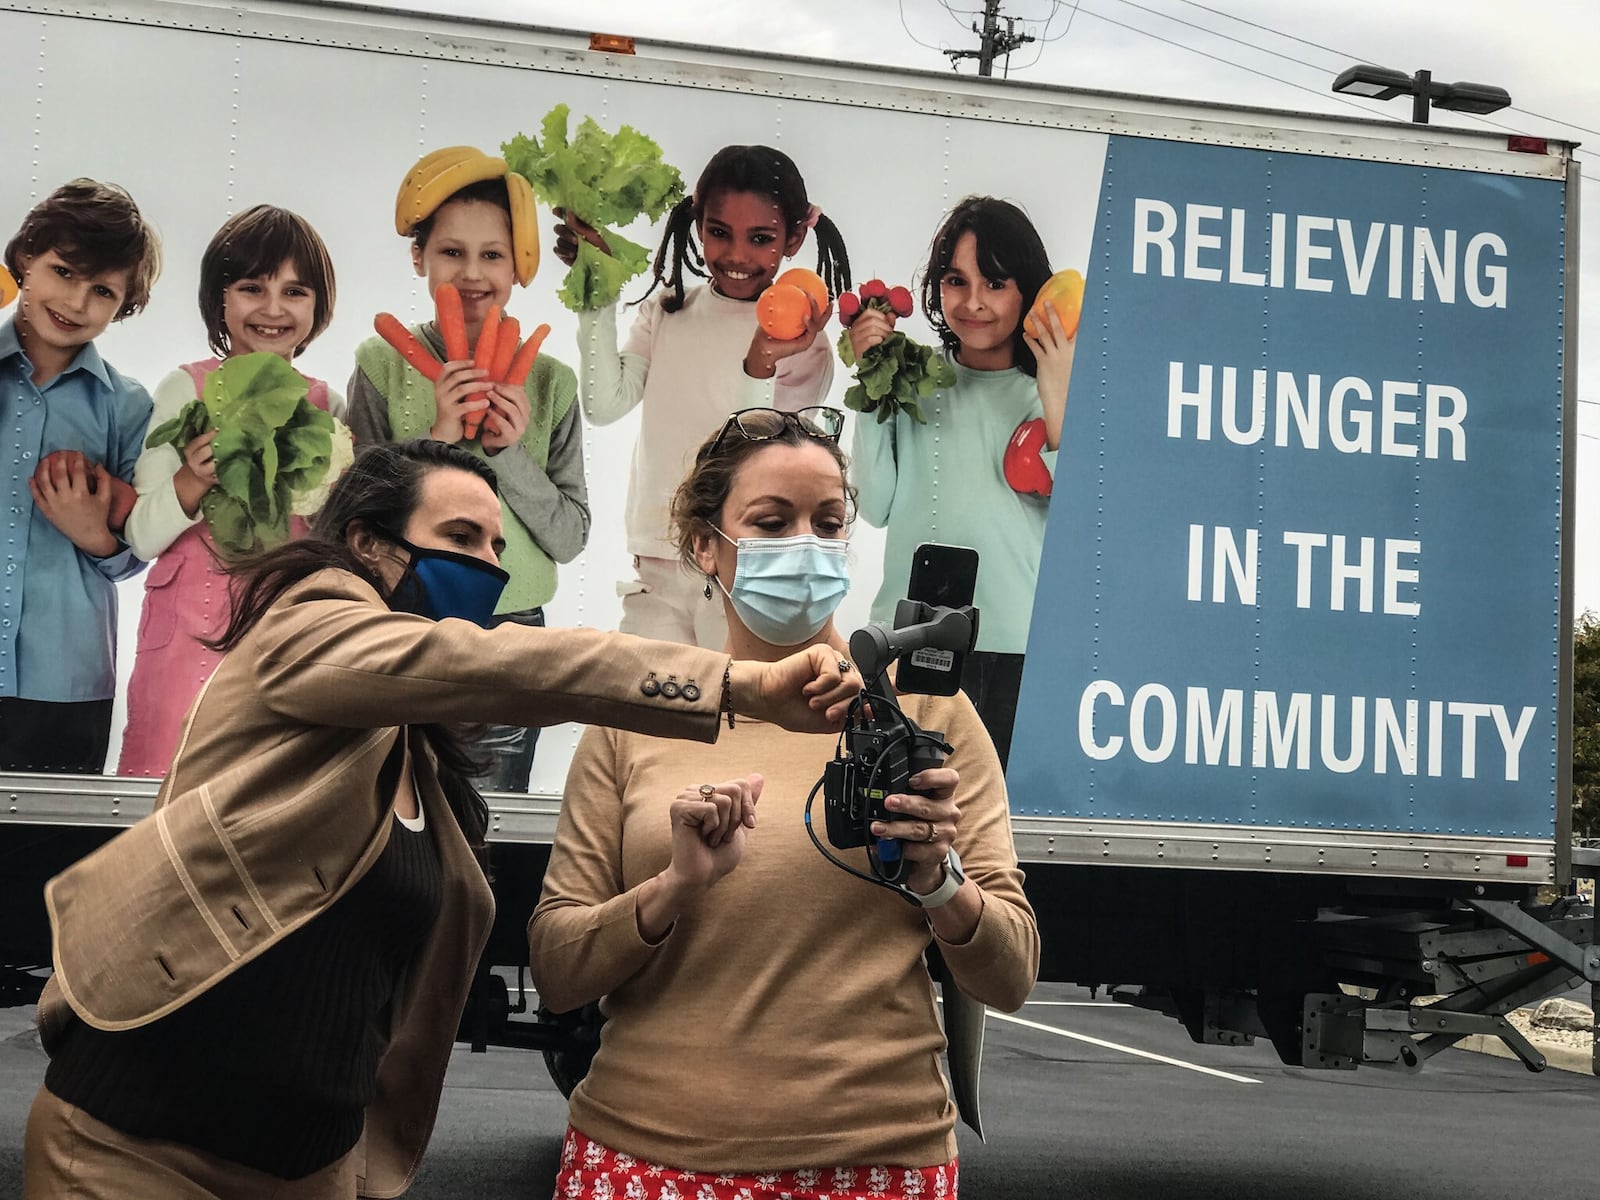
{"x":569,"y":1057}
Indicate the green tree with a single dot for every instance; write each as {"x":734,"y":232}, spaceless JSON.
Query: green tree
{"x":1586,"y":726}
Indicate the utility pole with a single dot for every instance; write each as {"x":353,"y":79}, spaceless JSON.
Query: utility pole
{"x":993,"y":43}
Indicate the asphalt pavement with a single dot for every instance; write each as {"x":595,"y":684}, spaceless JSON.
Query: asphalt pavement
{"x":1086,"y":1099}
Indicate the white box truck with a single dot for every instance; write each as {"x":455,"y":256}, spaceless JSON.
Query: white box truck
{"x":1293,"y":751}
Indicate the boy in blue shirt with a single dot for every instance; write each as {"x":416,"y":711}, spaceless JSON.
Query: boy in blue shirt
{"x":83,"y":258}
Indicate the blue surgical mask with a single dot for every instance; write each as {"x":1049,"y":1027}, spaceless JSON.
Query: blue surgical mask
{"x":785,"y":589}
{"x":441,"y":583}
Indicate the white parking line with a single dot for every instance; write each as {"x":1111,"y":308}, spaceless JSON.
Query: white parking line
{"x":1101,"y":1042}
{"x":1076,"y":1004}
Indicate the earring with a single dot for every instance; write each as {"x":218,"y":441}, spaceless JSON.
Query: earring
{"x":708,"y":587}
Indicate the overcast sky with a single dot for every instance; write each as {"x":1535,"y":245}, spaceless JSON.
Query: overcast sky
{"x":1546,"y":53}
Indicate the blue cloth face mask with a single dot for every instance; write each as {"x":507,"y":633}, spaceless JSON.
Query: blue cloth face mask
{"x":785,"y":589}
{"x":441,"y":583}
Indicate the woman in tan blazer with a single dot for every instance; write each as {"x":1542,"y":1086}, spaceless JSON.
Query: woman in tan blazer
{"x":257,"y":987}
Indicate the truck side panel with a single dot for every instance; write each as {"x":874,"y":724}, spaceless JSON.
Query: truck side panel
{"x":1310,"y":576}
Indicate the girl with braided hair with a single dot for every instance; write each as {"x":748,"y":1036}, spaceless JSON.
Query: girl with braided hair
{"x":695,"y":354}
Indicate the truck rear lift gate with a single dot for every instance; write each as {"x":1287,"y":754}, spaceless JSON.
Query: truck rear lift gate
{"x":1481,"y":962}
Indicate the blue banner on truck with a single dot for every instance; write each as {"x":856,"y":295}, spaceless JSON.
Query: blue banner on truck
{"x":1303,"y":562}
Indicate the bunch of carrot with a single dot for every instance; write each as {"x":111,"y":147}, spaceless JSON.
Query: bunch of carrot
{"x":497,"y":351}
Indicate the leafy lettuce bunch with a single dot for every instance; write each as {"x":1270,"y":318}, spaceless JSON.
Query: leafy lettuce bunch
{"x":273,"y":448}
{"x":606,"y":180}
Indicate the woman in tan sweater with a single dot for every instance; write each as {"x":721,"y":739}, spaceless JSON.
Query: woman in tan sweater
{"x":257,"y":987}
{"x":770,"y":1020}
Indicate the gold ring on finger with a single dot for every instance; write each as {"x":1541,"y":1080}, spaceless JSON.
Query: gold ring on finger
{"x":933,"y":832}
{"x":707,"y":792}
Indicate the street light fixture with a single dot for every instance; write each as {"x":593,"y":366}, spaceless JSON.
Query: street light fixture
{"x":1382,"y":83}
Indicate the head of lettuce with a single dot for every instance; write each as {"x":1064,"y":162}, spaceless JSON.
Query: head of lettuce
{"x":276,"y":452}
{"x":607,"y":181}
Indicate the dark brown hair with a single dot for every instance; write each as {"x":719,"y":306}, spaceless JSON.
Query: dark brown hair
{"x":1009,"y":247}
{"x":382,"y":489}
{"x":486,"y":191}
{"x":764,"y":172}
{"x":254,"y":243}
{"x":697,"y":504}
{"x":96,"y":228}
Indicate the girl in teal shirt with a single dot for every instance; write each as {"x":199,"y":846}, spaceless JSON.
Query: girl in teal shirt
{"x":945,"y":481}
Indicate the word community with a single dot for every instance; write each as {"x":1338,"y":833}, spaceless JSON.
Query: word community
{"x":1223,"y":727}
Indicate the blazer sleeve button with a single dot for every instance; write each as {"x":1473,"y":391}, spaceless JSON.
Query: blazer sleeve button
{"x":691,"y":691}
{"x":670,"y":688}
{"x":650,"y":687}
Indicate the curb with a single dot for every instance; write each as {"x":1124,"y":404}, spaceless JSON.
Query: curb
{"x":1562,"y":1058}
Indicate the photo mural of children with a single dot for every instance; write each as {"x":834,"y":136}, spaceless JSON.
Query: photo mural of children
{"x":473,"y":224}
{"x":694,"y":355}
{"x":266,"y":287}
{"x":71,"y":426}
{"x":946,"y":480}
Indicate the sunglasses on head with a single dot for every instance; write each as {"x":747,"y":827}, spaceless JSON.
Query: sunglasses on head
{"x":765,"y":424}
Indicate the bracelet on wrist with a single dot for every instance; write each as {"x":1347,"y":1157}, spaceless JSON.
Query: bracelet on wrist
{"x":727,"y":693}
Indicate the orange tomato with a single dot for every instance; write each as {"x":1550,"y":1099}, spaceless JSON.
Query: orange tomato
{"x":782,"y":311}
{"x":808,"y":282}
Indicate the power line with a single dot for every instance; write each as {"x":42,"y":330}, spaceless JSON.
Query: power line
{"x":957,"y":13}
{"x":1056,"y":5}
{"x":913,"y":36}
{"x":1225,"y":37}
{"x":1044,"y":36}
{"x":1348,"y":56}
{"x":992,"y":42}
{"x":1228,"y":62}
{"x":1318,"y":92}
{"x":1068,"y":29}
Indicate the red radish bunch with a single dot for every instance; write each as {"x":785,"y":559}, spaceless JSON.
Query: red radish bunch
{"x":497,"y":351}
{"x":896,"y":374}
{"x":874,"y":293}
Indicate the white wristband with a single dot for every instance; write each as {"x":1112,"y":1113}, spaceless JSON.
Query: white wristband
{"x":945,"y":892}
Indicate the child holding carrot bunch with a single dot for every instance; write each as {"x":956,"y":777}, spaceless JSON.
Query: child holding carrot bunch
{"x":473,"y":232}
{"x":266,"y":287}
{"x":694,"y":355}
{"x":958,"y":478}
{"x":83,"y":257}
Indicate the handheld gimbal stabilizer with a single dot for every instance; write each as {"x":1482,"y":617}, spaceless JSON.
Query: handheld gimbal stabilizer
{"x":881,"y":748}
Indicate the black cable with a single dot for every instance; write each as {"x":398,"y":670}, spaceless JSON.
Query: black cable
{"x":1361,"y":58}
{"x":911,"y":35}
{"x":1225,"y":37}
{"x":1044,"y":36}
{"x":811,"y":832}
{"x":957,"y":13}
{"x":906,"y":735}
{"x":1229,"y":62}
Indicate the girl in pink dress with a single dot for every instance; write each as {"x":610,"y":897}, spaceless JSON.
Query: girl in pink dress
{"x":266,"y":285}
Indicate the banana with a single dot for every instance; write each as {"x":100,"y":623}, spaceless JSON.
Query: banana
{"x":436,"y":178}
{"x":524,"y":227}
{"x":8,"y":285}
{"x":441,"y":174}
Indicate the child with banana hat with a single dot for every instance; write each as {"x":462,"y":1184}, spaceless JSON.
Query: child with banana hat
{"x":473,"y":226}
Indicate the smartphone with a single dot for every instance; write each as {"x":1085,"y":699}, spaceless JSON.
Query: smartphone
{"x":942,"y":576}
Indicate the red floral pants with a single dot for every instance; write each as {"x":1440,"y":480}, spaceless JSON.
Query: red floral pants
{"x":591,"y":1171}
